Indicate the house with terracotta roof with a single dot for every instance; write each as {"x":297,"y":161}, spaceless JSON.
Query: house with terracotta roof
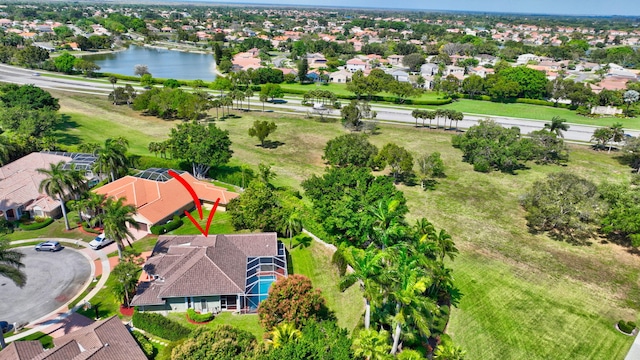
{"x":20,"y":182}
{"x":211,"y":273}
{"x":103,"y":340}
{"x":157,"y":196}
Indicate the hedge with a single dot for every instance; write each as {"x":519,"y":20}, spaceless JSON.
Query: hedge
{"x":170,"y":226}
{"x":199,"y":318}
{"x":145,"y":344}
{"x":36,"y":225}
{"x":626,"y":326}
{"x":89,"y":229}
{"x":160,"y":326}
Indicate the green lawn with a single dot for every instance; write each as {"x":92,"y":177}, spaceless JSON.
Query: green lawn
{"x":315,"y":263}
{"x":54,"y":230}
{"x":221,"y":224}
{"x":248,"y":322}
{"x":45,"y":340}
{"x":105,"y":301}
{"x":526,"y":296}
{"x":532,"y":112}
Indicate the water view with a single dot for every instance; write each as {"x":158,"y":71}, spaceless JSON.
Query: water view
{"x":162,"y":63}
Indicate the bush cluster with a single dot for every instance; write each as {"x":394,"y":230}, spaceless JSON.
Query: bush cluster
{"x":89,"y":229}
{"x":145,"y":344}
{"x":197,"y":317}
{"x":626,"y":326}
{"x":160,"y":326}
{"x":170,"y":226}
{"x":36,"y":225}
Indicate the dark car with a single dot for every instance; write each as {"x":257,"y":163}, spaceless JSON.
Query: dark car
{"x":49,"y":246}
{"x":5,"y":326}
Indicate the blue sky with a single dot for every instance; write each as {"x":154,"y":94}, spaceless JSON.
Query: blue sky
{"x":565,"y":7}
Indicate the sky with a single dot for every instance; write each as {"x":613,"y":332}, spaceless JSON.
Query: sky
{"x":560,"y":7}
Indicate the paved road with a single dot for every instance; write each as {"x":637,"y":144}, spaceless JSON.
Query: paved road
{"x":576,"y":132}
{"x":52,"y":280}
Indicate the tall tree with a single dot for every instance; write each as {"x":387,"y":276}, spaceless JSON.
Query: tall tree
{"x":557,"y":125}
{"x":11,"y":264}
{"x":303,"y":69}
{"x":398,"y":158}
{"x":262,"y":129}
{"x":203,"y":146}
{"x":112,"y":158}
{"x":115,"y":217}
{"x":367,"y":266}
{"x":57,"y":184}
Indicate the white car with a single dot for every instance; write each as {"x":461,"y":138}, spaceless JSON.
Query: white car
{"x":99,"y":242}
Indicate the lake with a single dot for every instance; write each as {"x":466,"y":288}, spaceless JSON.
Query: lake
{"x":162,"y":63}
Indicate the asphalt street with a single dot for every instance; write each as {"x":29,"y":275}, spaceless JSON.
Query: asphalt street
{"x":53,"y":278}
{"x":576,"y":132}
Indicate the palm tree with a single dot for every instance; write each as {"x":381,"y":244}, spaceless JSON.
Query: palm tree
{"x":217,"y":104}
{"x":11,"y":263}
{"x":283,"y":334}
{"x":115,"y":217}
{"x":292,"y":226}
{"x":5,"y":150}
{"x":367,"y":267}
{"x":90,"y":206}
{"x":617,"y":134}
{"x":444,"y":244}
{"x":416,"y":114}
{"x":388,"y":221}
{"x":56,"y":184}
{"x":409,"y":284}
{"x":448,"y":352}
{"x":371,"y":345}
{"x":557,"y":126}
{"x":248,"y":94}
{"x":112,"y":158}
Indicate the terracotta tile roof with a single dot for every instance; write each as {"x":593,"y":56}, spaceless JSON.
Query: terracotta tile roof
{"x":195,"y":265}
{"x":157,"y":200}
{"x":108,"y":340}
{"x":103,"y":340}
{"x":20,"y":179}
{"x":19,"y":350}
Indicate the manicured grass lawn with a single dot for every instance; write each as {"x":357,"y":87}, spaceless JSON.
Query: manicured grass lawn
{"x":248,"y":322}
{"x":526,"y":296}
{"x":45,"y":340}
{"x":532,"y":112}
{"x":315,"y":263}
{"x":106,"y":302}
{"x":54,"y":230}
{"x":568,"y":320}
{"x":145,"y":244}
{"x":221,"y":224}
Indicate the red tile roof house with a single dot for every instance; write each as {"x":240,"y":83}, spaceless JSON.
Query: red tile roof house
{"x":20,"y":180}
{"x":103,"y":340}
{"x":211,"y":274}
{"x":157,"y":196}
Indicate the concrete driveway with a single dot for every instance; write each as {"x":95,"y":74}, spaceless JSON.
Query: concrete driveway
{"x":53,"y":278}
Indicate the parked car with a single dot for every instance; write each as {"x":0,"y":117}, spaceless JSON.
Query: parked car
{"x":5,"y":327}
{"x":49,"y":246}
{"x":99,"y":242}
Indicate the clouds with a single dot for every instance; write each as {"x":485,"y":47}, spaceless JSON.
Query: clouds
{"x":564,"y":7}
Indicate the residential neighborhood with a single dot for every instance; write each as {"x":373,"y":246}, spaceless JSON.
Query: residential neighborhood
{"x":224,"y":181}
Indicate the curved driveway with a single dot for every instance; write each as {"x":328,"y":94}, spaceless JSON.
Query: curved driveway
{"x":53,"y":278}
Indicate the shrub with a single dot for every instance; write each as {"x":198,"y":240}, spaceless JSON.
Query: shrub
{"x":89,"y":229}
{"x":535,"y":102}
{"x":626,"y":326}
{"x":144,"y":344}
{"x":159,"y":325}
{"x":199,"y":318}
{"x":36,"y":225}
{"x":170,"y":226}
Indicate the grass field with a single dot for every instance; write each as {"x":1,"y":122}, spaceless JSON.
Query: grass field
{"x":526,"y":296}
